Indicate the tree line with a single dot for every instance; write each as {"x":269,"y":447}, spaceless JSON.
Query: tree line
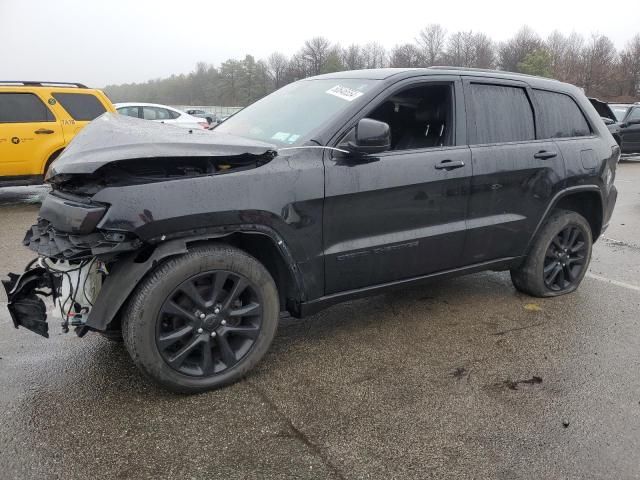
{"x":592,"y":63}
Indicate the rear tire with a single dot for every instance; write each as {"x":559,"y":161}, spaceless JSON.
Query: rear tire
{"x":202,"y":320}
{"x":559,"y":257}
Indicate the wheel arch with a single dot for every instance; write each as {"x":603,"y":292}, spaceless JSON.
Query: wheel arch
{"x":127,"y":273}
{"x":270,"y":251}
{"x":585,"y":200}
{"x":50,"y":160}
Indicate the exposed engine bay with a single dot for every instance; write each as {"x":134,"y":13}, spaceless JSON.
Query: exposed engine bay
{"x":148,"y":170}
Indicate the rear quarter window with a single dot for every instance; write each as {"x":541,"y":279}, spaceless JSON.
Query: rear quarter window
{"x":81,"y":106}
{"x":560,"y":116}
{"x":23,"y":108}
{"x":501,"y":114}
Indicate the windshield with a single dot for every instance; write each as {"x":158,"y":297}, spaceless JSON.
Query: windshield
{"x":619,"y":111}
{"x":289,"y":115}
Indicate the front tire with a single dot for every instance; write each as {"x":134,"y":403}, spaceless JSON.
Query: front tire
{"x":559,"y":257}
{"x":202,"y":320}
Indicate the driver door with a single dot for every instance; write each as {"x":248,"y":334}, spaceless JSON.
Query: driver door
{"x":401,"y":213}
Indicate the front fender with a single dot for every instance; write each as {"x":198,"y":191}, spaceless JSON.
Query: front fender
{"x":126,"y":273}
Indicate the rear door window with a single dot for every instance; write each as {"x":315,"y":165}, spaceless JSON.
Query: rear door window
{"x":23,"y":108}
{"x":501,"y":113}
{"x":560,"y":117}
{"x":155,"y":113}
{"x":81,"y":106}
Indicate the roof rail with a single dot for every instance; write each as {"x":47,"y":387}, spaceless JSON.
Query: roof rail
{"x":487,"y":70}
{"x":33,"y":83}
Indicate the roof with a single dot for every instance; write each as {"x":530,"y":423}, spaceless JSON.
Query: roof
{"x":400,"y":73}
{"x":39,"y":83}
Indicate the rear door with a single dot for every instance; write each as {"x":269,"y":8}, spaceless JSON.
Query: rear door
{"x":80,"y":107}
{"x":29,"y":134}
{"x":401,"y":213}
{"x":513,"y":173}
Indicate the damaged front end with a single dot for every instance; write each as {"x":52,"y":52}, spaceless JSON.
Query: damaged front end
{"x":88,"y":264}
{"x":73,"y":286}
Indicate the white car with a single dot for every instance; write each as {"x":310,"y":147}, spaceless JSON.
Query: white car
{"x":162,"y":114}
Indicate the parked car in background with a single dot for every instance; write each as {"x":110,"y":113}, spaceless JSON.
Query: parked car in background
{"x":331,"y":188}
{"x":37,"y":121}
{"x":209,"y":117}
{"x":623,"y":121}
{"x":628,"y":116}
{"x":620,"y":110}
{"x":161,"y":114}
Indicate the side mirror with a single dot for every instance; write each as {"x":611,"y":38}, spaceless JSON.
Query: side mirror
{"x":371,"y":136}
{"x":607,"y":121}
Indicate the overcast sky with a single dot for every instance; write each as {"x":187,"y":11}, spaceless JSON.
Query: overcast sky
{"x":117,"y":41}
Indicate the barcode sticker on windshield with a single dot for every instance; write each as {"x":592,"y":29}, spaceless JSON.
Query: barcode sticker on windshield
{"x":344,"y":93}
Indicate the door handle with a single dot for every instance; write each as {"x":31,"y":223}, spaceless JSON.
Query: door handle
{"x":44,"y":131}
{"x":545,"y":155}
{"x":449,"y":165}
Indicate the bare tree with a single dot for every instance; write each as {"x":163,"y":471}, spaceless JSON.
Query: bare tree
{"x":599,"y":58}
{"x":431,"y":40}
{"x":406,"y":56}
{"x":630,"y":68}
{"x":468,"y":49}
{"x":485,"y":51}
{"x":566,"y":54}
{"x":374,"y":55}
{"x":460,"y":51}
{"x":297,"y":69}
{"x":513,"y":51}
{"x":315,"y":52}
{"x":277,"y":65}
{"x":593,"y":64}
{"x":352,"y":57}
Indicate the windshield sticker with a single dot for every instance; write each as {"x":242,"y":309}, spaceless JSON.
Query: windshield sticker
{"x":344,"y":93}
{"x":293,"y":138}
{"x":281,"y":136}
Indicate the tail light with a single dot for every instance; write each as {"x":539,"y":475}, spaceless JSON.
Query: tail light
{"x":204,"y":125}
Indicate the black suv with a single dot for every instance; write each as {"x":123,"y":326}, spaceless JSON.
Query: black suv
{"x":191,"y":244}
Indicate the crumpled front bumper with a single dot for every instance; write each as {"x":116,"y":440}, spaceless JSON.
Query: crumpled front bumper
{"x":25,"y":306}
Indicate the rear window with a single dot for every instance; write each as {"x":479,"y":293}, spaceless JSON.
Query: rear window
{"x":559,"y":116}
{"x":502,"y":114}
{"x":82,"y":107}
{"x":23,"y":108}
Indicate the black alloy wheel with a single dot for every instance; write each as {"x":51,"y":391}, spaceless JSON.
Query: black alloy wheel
{"x":209,"y":323}
{"x":558,"y":257}
{"x":565,"y":259}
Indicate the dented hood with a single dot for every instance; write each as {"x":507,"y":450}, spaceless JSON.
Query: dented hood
{"x":112,"y":137}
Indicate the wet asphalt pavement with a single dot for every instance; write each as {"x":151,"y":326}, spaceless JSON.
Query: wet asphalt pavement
{"x":462,"y":379}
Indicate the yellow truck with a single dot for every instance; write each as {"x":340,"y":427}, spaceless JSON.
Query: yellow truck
{"x":39,"y":119}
